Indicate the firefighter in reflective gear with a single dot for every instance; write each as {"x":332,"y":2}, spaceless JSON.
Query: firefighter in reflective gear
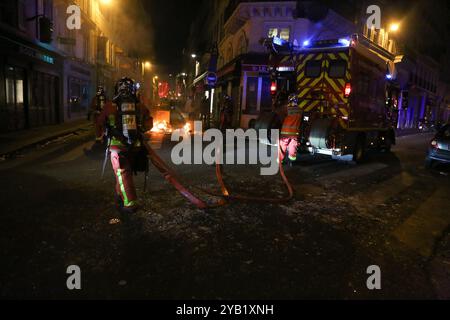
{"x":126,"y":121}
{"x":290,"y":131}
{"x":97,"y":105}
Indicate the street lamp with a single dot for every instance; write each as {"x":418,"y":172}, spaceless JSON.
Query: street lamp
{"x":394,"y":27}
{"x":148,"y":65}
{"x":193,"y":56}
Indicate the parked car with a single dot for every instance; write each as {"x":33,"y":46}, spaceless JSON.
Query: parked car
{"x":439,"y":150}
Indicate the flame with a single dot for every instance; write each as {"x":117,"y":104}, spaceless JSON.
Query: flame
{"x":161,"y":127}
{"x":187,"y":127}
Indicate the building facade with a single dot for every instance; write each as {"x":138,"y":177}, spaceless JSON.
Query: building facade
{"x":418,"y":79}
{"x":31,"y":71}
{"x":49,"y":77}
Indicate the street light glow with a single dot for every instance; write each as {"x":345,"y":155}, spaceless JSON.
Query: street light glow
{"x":193,"y":56}
{"x":106,"y":2}
{"x":148,"y":65}
{"x":394,"y":27}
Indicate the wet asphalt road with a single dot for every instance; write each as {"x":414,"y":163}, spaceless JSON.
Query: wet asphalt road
{"x":390,"y":212}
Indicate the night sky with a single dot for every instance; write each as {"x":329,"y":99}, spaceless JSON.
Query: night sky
{"x":171,"y":20}
{"x":424,"y":27}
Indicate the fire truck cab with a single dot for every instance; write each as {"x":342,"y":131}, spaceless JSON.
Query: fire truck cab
{"x":348,"y":96}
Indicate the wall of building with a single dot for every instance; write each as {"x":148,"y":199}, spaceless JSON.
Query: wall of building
{"x":48,"y":83}
{"x":419,"y":79}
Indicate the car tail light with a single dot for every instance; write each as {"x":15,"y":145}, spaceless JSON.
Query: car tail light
{"x":273,"y":88}
{"x":347,"y":90}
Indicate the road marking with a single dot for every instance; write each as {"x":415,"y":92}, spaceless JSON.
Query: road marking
{"x":421,"y":230}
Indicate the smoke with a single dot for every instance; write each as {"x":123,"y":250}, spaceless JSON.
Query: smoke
{"x":133,"y":29}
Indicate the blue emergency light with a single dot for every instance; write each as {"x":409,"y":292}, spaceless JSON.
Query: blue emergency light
{"x":336,"y":43}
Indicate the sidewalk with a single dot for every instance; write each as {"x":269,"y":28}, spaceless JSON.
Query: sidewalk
{"x":407,"y":132}
{"x":15,"y":141}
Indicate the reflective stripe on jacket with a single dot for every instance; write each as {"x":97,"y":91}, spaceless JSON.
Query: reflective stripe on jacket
{"x":291,"y":125}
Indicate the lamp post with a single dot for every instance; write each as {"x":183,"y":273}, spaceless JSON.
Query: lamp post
{"x":194,"y":57}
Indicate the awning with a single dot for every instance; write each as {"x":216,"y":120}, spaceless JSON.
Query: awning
{"x":199,"y":78}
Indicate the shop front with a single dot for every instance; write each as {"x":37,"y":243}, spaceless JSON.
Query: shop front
{"x":30,"y":85}
{"x":78,"y":89}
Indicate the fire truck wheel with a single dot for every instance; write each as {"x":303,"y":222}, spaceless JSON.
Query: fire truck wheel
{"x":359,"y":150}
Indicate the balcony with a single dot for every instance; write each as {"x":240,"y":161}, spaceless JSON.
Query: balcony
{"x":238,"y":12}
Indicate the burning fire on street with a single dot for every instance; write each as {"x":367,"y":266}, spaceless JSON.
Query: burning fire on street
{"x":164,"y":127}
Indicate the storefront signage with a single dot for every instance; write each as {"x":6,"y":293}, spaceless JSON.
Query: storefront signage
{"x":255,"y":68}
{"x":35,"y":54}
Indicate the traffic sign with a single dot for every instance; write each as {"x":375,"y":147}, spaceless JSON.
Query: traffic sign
{"x":211,"y":78}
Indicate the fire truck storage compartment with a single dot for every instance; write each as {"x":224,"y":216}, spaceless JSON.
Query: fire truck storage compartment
{"x":319,"y":135}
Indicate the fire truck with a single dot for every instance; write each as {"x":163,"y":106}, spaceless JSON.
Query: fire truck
{"x":348,"y":94}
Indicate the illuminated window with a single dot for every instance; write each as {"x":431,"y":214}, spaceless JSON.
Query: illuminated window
{"x":285,"y":34}
{"x":273,"y":32}
{"x":19,"y":91}
{"x":10,"y":91}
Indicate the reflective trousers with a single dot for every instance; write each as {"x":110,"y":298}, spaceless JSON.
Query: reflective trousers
{"x":99,"y":128}
{"x":122,"y":166}
{"x":288,"y":146}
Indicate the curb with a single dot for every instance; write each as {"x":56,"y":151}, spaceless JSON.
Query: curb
{"x":44,"y":140}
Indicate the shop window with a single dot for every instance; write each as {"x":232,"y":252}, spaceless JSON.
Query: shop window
{"x":19,"y":92}
{"x":14,"y":94}
{"x":266,"y":97}
{"x":10,"y":93}
{"x":252,"y":95}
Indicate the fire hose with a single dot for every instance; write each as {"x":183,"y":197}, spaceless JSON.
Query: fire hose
{"x":171,"y":177}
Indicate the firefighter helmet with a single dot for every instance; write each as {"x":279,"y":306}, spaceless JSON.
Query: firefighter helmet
{"x":100,"y":91}
{"x":125,"y":89}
